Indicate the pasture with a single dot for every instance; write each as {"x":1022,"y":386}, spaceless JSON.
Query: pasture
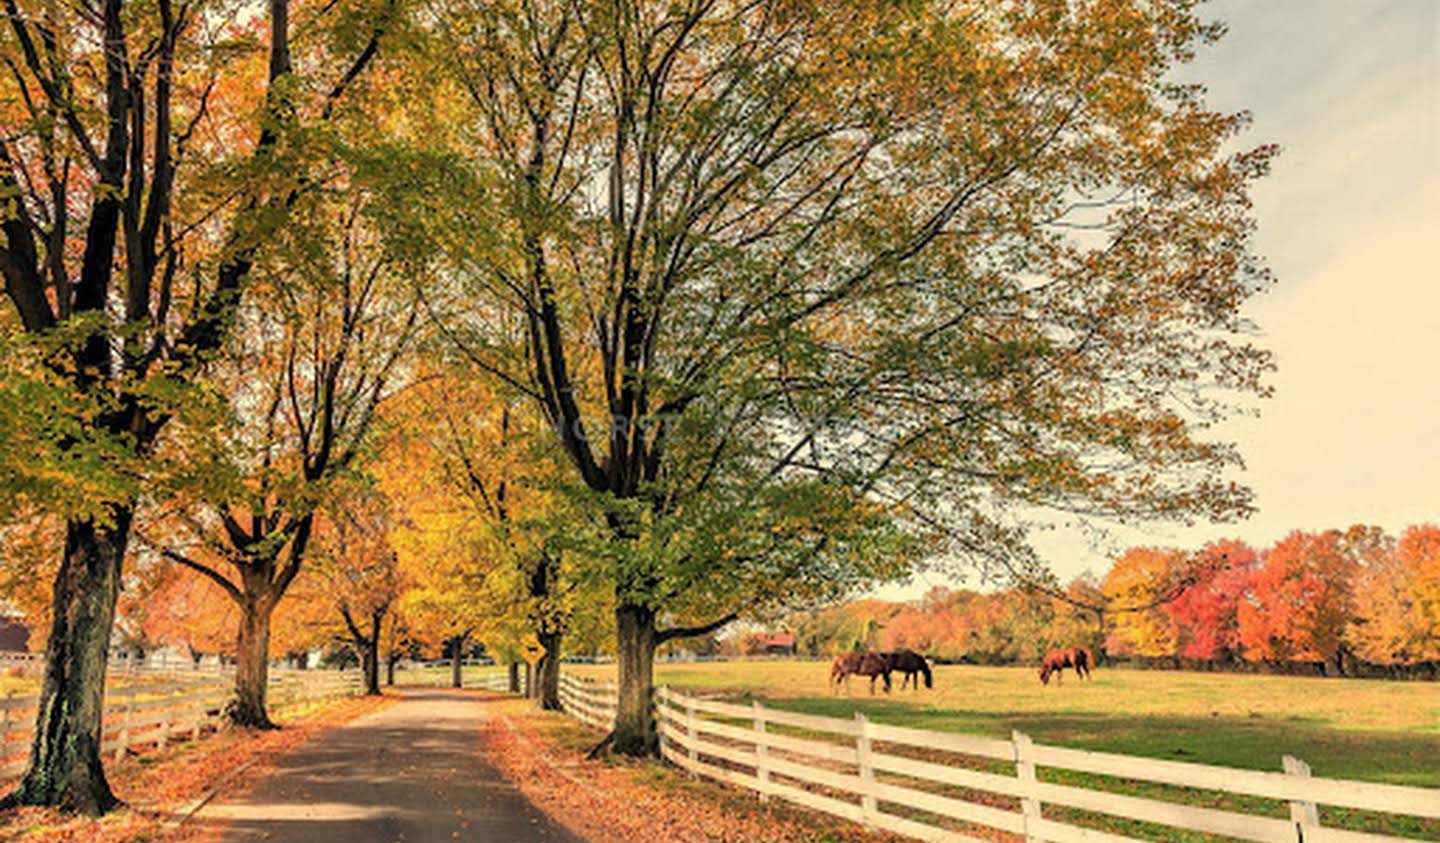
{"x":1359,"y":729}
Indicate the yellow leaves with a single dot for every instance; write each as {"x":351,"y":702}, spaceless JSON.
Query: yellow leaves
{"x":1139,"y":578}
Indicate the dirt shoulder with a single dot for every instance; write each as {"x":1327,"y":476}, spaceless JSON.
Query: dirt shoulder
{"x":623,"y":801}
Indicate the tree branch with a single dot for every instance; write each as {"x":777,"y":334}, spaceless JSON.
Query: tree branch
{"x":217,"y":577}
{"x":663,"y":635}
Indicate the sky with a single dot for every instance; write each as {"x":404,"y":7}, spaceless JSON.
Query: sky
{"x":1349,"y":221}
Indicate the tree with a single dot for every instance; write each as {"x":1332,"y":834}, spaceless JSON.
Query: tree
{"x":109,"y":129}
{"x":1303,"y":593}
{"x":191,"y":613}
{"x":1206,"y":615}
{"x":448,"y":600}
{"x":491,"y":466}
{"x":911,"y":264}
{"x":1397,"y":601}
{"x":1143,"y":578}
{"x":360,"y":576}
{"x":1077,"y":620}
{"x":322,"y":344}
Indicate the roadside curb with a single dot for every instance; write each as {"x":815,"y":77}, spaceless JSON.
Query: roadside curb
{"x":185,"y":814}
{"x":195,"y":806}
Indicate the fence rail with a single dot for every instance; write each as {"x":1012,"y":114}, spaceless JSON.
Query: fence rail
{"x":438,"y":674}
{"x":153,"y":713}
{"x":591,"y":702}
{"x":865,"y":771}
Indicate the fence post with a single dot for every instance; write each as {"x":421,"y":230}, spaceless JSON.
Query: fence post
{"x":1025,"y":771}
{"x":690,"y":729}
{"x":762,"y":769}
{"x":5,"y":725}
{"x":122,"y":743}
{"x":167,"y":718}
{"x":1304,"y":815}
{"x":868,"y":806}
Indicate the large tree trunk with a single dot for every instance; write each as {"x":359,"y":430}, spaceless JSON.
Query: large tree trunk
{"x":370,"y":667}
{"x":457,"y":660}
{"x":371,"y":656}
{"x":65,"y":769}
{"x":514,"y":677}
{"x":548,"y":692}
{"x":252,"y":668}
{"x":635,"y":653}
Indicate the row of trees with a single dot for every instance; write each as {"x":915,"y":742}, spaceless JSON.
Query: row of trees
{"x":527,"y":320}
{"x":1311,"y":597}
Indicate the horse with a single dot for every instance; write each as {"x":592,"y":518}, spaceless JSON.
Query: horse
{"x":873,"y":665}
{"x":911,"y":663}
{"x":1056,"y":661}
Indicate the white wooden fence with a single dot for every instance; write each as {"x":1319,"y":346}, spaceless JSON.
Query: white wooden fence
{"x":910,"y":781}
{"x":153,"y":713}
{"x":589,"y":701}
{"x":430,"y":675}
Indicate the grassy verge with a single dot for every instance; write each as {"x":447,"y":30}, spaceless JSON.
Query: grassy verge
{"x":624,"y":801}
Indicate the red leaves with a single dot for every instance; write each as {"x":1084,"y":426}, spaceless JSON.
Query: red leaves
{"x":1300,"y":599}
{"x":1206,"y":615}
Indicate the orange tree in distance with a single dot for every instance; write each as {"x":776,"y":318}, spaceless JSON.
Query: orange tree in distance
{"x":322,"y":344}
{"x":1302,"y":599}
{"x":191,"y":613}
{"x":476,"y":453}
{"x":358,"y":575}
{"x":1397,"y":601}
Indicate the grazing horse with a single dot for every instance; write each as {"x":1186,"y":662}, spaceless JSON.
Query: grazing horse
{"x":911,"y":663}
{"x":873,"y":665}
{"x":1056,"y":661}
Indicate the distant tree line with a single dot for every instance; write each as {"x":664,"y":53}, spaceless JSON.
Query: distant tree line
{"x":1356,"y":602}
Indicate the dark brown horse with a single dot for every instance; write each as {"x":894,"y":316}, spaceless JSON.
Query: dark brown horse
{"x":911,"y":663}
{"x":873,"y":665}
{"x":1056,"y":661}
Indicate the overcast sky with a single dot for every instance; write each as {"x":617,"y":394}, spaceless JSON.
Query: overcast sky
{"x":1349,"y":221}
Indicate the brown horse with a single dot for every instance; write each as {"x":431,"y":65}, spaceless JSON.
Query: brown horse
{"x":873,"y":665}
{"x":911,"y":663}
{"x":1056,"y":661}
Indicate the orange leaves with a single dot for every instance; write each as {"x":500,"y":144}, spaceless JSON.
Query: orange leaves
{"x":1206,"y":615}
{"x":622,"y":802}
{"x":1397,"y":601}
{"x":1301,"y":602}
{"x":188,"y":612}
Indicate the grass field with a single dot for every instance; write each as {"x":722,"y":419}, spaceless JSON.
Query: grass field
{"x":1360,"y":729}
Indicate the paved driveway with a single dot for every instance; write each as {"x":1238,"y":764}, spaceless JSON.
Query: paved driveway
{"x":409,"y":773}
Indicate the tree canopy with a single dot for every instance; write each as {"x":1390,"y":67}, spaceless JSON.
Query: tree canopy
{"x":561,"y":318}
